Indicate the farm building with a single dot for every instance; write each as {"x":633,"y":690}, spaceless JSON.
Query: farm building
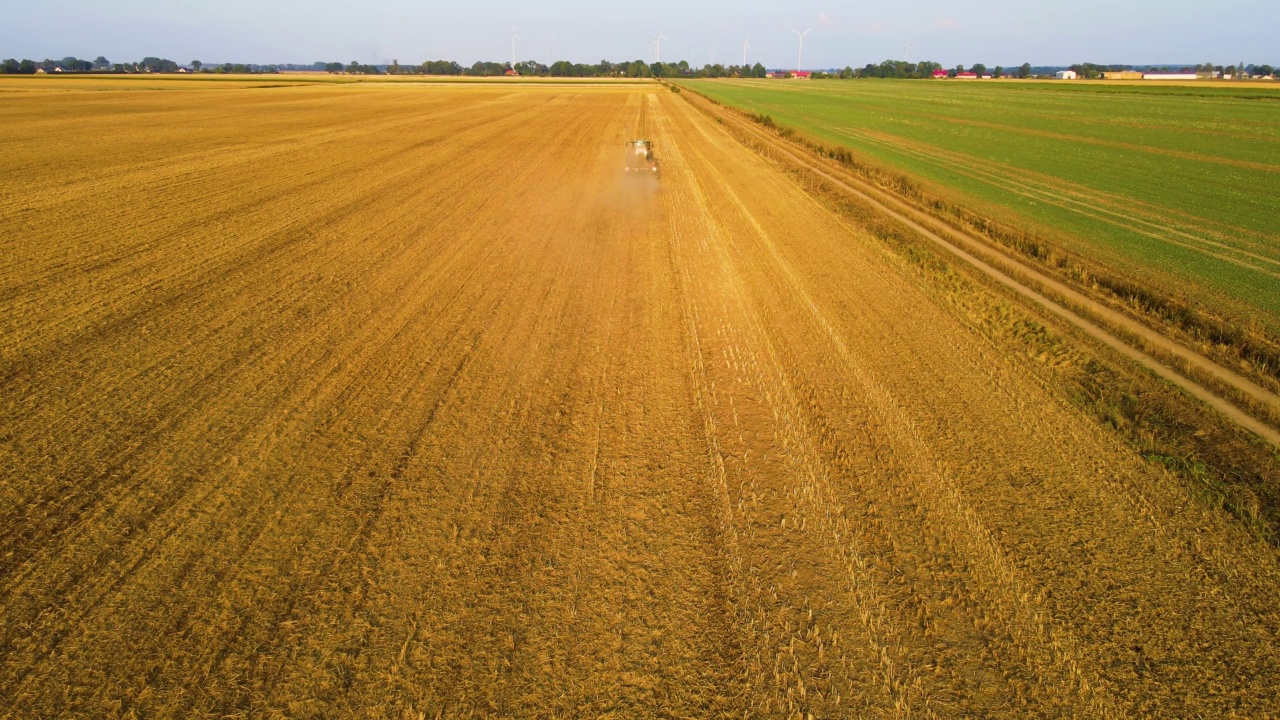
{"x":1169,"y":76}
{"x":1122,"y":75}
{"x":802,"y":75}
{"x":966,"y":76}
{"x":1066,"y":75}
{"x":939,"y":74}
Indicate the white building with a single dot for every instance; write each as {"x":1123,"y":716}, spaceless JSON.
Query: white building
{"x":1170,"y":76}
{"x":1066,"y":75}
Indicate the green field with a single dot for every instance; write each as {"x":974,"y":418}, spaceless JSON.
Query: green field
{"x":1171,"y":185}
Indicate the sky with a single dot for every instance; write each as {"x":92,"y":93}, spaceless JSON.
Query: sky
{"x":993,"y":32}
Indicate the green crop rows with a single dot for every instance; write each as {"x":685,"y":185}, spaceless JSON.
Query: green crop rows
{"x":1172,"y":184}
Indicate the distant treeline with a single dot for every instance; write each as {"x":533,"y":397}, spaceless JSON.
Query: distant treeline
{"x":1092,"y":70}
{"x":146,"y":65}
{"x":604,"y":68}
{"x":564,"y":68}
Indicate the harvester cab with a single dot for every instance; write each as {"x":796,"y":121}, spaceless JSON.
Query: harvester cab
{"x":641,"y":160}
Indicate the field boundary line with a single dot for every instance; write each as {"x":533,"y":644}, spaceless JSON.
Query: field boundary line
{"x":986,"y":259}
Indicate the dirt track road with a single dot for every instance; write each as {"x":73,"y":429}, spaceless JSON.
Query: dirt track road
{"x":398,"y":401}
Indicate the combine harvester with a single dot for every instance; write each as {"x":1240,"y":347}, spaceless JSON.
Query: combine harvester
{"x":641,"y":160}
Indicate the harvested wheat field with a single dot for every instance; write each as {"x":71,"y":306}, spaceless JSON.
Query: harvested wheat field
{"x":397,"y":401}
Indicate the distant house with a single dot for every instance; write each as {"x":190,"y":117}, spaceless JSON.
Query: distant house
{"x":511,"y":72}
{"x":939,"y":74}
{"x":40,"y":71}
{"x":802,"y":75}
{"x":1066,"y":75}
{"x":1122,"y":75}
{"x":966,"y":76}
{"x":1169,"y":76}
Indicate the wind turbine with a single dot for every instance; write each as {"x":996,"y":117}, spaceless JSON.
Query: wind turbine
{"x":746,"y":45}
{"x":710,"y":49}
{"x":514,"y":38}
{"x":657,"y":42}
{"x":800,"y":52}
{"x":907,"y":47}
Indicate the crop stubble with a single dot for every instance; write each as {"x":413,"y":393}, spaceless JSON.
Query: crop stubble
{"x":392,"y":400}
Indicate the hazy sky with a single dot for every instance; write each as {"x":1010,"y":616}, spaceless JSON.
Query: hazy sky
{"x":1007,"y":32}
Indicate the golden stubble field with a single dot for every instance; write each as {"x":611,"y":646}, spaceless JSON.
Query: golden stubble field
{"x":396,"y":401}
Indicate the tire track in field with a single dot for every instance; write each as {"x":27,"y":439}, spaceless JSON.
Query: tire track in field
{"x":800,"y":664}
{"x":981,"y":465}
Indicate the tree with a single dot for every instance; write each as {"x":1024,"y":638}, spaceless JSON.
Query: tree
{"x":155,"y":64}
{"x":524,"y":67}
{"x":27,"y":67}
{"x":101,"y":63}
{"x":441,"y":67}
{"x":980,"y":69}
{"x":1024,"y":71}
{"x":759,"y":70}
{"x":196,"y":65}
{"x":998,"y":72}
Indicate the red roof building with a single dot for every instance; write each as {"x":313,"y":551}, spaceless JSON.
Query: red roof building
{"x":939,"y":74}
{"x":966,"y":76}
